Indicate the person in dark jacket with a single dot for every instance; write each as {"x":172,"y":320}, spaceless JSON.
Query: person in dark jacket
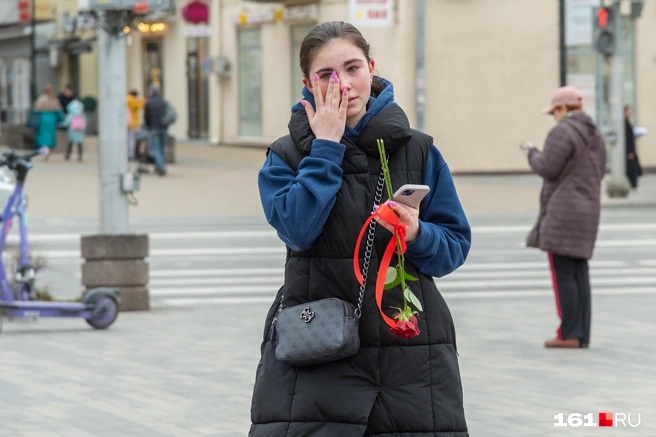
{"x":572,"y":166}
{"x":317,"y":188}
{"x":633,"y":169}
{"x":153,"y":113}
{"x":66,"y":96}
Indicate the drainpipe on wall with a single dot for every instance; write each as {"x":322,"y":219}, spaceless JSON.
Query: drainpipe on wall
{"x":561,"y":43}
{"x":421,"y":12}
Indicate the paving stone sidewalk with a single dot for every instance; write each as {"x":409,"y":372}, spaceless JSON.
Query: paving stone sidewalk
{"x":189,"y":371}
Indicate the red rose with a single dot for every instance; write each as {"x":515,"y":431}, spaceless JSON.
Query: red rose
{"x":405,"y":329}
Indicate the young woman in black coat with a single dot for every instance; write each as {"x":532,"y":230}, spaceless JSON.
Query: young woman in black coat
{"x":317,"y":188}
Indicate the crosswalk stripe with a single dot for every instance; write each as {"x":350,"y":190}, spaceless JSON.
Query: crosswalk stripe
{"x":535,"y":264}
{"x":595,"y":281}
{"x":214,"y":291}
{"x":267,"y":284}
{"x":189,"y":301}
{"x":623,"y":246}
{"x":270,"y":233}
{"x":268,"y":276}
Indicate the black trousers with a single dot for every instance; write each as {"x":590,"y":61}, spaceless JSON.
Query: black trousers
{"x":571,"y":283}
{"x":69,"y":150}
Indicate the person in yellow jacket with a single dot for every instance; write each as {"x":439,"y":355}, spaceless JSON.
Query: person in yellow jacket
{"x":135,"y":104}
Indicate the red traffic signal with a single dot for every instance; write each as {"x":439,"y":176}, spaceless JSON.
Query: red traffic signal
{"x":602,"y":17}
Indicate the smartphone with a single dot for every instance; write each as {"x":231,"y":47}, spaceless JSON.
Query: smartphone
{"x":410,"y":194}
{"x":524,"y":146}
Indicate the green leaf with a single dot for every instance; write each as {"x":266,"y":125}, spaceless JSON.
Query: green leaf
{"x":391,"y":275}
{"x":409,"y":277}
{"x":397,"y":279}
{"x":412,"y":298}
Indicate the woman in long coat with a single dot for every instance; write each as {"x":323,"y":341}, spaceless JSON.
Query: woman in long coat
{"x":572,"y":165}
{"x":49,"y":112}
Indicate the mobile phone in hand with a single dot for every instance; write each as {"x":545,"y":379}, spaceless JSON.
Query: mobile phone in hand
{"x":524,"y":145}
{"x":410,"y":194}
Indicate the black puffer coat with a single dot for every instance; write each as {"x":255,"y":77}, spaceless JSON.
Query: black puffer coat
{"x":393,"y":386}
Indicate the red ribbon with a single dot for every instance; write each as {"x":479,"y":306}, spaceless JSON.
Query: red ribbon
{"x":387,"y":214}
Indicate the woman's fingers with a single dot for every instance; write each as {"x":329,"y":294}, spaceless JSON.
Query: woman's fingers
{"x":316,"y":90}
{"x":335,"y":91}
{"x":344,"y":104}
{"x":309,"y":110}
{"x":407,"y":215}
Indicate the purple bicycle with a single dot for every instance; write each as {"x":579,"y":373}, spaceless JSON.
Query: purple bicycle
{"x":99,"y":307}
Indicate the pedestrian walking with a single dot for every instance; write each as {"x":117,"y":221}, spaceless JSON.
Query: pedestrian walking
{"x":76,"y":122}
{"x":158,"y":117}
{"x":633,"y":168}
{"x":134,"y":104}
{"x":572,"y":165}
{"x":49,"y":114}
{"x":317,"y":187}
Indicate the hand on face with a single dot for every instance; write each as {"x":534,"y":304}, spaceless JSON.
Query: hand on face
{"x":329,"y":120}
{"x":407,"y":215}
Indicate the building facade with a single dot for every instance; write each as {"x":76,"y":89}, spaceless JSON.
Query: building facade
{"x":489,"y":67}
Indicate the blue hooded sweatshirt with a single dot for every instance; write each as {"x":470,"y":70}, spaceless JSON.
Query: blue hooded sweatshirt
{"x":298,"y":205}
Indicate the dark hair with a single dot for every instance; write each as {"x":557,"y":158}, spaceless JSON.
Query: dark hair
{"x":324,"y":33}
{"x":134,"y":93}
{"x":571,"y":108}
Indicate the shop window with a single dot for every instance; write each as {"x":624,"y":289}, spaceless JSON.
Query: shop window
{"x":197,"y":86}
{"x":298,"y":33}
{"x":249,"y":42}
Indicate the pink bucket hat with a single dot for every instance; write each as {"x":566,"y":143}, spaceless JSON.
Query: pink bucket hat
{"x":567,"y":95}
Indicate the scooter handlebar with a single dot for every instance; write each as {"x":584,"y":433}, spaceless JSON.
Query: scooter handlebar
{"x":10,"y":157}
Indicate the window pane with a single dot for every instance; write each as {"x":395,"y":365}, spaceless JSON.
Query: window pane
{"x":250,"y":82}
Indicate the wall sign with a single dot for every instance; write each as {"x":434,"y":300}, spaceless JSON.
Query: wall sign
{"x":196,"y":12}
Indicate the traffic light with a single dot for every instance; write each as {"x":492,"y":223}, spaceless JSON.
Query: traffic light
{"x":604,"y":30}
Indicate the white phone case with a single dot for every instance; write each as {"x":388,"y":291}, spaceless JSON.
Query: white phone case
{"x":410,"y":194}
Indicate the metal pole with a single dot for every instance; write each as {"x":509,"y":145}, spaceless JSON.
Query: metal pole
{"x":33,"y":52}
{"x":618,"y":185}
{"x":561,"y":40}
{"x":421,"y":12}
{"x":112,"y":118}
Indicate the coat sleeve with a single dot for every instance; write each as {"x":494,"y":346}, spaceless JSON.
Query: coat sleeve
{"x":67,"y":120}
{"x":558,"y":148}
{"x":298,"y":205}
{"x":444,"y":236}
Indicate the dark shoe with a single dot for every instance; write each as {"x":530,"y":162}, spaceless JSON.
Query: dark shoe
{"x":160,"y":172}
{"x":143,"y":169}
{"x":570,"y":343}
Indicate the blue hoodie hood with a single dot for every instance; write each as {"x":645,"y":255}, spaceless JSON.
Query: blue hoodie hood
{"x":374,"y":106}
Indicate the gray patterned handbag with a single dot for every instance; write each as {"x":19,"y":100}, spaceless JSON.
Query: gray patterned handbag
{"x":323,"y":330}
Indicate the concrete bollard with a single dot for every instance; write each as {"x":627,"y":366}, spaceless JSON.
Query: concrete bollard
{"x":118,"y":261}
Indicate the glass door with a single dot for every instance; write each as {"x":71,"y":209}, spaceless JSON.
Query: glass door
{"x":197,"y":86}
